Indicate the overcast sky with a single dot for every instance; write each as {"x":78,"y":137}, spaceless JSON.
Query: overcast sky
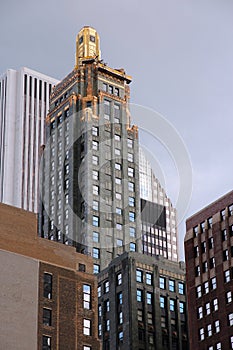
{"x":179,"y":53}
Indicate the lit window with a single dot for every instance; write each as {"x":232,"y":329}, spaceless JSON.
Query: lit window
{"x":131,"y":216}
{"x":119,"y":279}
{"x":120,"y":317}
{"x":206,"y":287}
{"x":229,"y":297}
{"x":201,"y":334}
{"x":46,"y":342}
{"x":162,"y":302}
{"x":148,"y":298}
{"x":182,"y":307}
{"x":99,"y":291}
{"x":86,"y":296}
{"x":139,"y":295}
{"x":200,"y":312}
{"x":148,"y":278}
{"x":209,"y":330}
{"x":231,"y":342}
{"x":162,"y":281}
{"x":95,"y":221}
{"x":47,"y":317}
{"x":207,"y":308}
{"x":139,"y":276}
{"x":217,"y":326}
{"x":120,"y":336}
{"x":85,"y":347}
{"x":219,"y":346}
{"x":230,"y":319}
{"x":106,"y":287}
{"x":95,"y":131}
{"x":86,"y":327}
{"x":130,"y":172}
{"x":181,"y":288}
{"x":96,"y":253}
{"x":213,"y":282}
{"x":172,"y":305}
{"x":132,"y":247}
{"x":171,"y":285}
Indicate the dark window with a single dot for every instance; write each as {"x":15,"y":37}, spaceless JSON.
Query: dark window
{"x":212,"y":263}
{"x":197,"y":271}
{"x":224,"y":235}
{"x":47,"y":317}
{"x":48,"y":285}
{"x":203,"y":226}
{"x":203,"y":247}
{"x":225,"y":255}
{"x":46,"y":343}
{"x":211,"y":242}
{"x":210,"y":222}
{"x":82,"y":267}
{"x":80,"y":40}
{"x":196,"y":251}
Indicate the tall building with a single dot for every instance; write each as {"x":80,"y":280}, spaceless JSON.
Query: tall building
{"x":209,"y":275}
{"x":142,"y":304}
{"x":48,"y":293}
{"x":90,"y":193}
{"x":24,"y":103}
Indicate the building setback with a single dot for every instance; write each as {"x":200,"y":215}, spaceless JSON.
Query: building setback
{"x":24,"y":104}
{"x":48,"y":291}
{"x":142,"y":304}
{"x":209,"y":275}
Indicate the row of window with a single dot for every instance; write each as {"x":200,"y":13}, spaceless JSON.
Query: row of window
{"x":171,"y":285}
{"x":60,"y":119}
{"x":117,"y":137}
{"x":207,"y":309}
{"x":210,"y":329}
{"x":172,"y":304}
{"x":111,"y":89}
{"x":206,"y":287}
{"x":211,"y":242}
{"x":118,"y":181}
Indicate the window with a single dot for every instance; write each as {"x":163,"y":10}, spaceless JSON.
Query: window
{"x":203,"y":226}
{"x":95,"y":131}
{"x":182,"y":307}
{"x":211,"y":242}
{"x":47,"y":317}
{"x":224,"y":235}
{"x":203,"y":247}
{"x":204,"y":266}
{"x":131,"y":201}
{"x":150,"y":318}
{"x":132,"y":247}
{"x":223,"y":214}
{"x":119,"y":298}
{"x":95,"y":160}
{"x":106,"y":287}
{"x":139,"y":295}
{"x":149,"y":278}
{"x":86,"y":296}
{"x":85,"y":347}
{"x":119,"y":242}
{"x":213,"y":283}
{"x":171,"y":285}
{"x":118,"y":211}
{"x":130,"y":172}
{"x":200,"y":312}
{"x":209,"y":330}
{"x":46,"y":342}
{"x":206,"y":287}
{"x":86,"y":327}
{"x":95,"y":236}
{"x":130,"y":157}
{"x":131,"y":216}
{"x":117,"y":166}
{"x":140,"y":316}
{"x":181,"y":288}
{"x":95,"y":145}
{"x":148,"y":298}
{"x":212,"y":263}
{"x":231,"y":230}
{"x":117,"y":137}
{"x":201,"y":334}
{"x":225,"y":255}
{"x":195,"y":231}
{"x":131,"y":186}
{"x":120,"y":317}
{"x":162,"y":282}
{"x":227,"y":276}
{"x":230,"y":319}
{"x":118,"y":181}
{"x":230,"y":209}
{"x":207,"y":308}
{"x":139,"y":276}
{"x":197,"y":271}
{"x":95,"y":175}
{"x":162,"y":302}
{"x":196,"y":251}
{"x":231,"y":342}
{"x":215,"y":304}
{"x":117,"y":92}
{"x":118,"y":196}
{"x":172,"y":305}
{"x":229,"y":297}
{"x":96,"y":253}
{"x":96,"y":268}
{"x":48,"y":285}
{"x":130,"y":143}
{"x":100,"y":330}
{"x":217,"y":326}
{"x":132,"y":231}
{"x":95,"y":190}
{"x":119,"y":279}
{"x":95,"y":221}
{"x":120,"y":336}
{"x":210,"y":222}
{"x":119,"y":226}
{"x":99,"y":291}
{"x":107,"y":325}
{"x":107,"y":306}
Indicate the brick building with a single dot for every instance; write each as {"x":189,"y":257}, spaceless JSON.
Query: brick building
{"x":142,"y":304}
{"x":48,"y":293}
{"x":209,"y":275}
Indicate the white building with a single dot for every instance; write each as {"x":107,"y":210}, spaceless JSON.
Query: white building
{"x":24,"y":103}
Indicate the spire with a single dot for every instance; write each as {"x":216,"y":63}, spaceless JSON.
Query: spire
{"x":87,"y":44}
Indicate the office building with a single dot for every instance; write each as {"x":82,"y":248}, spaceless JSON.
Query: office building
{"x":142,"y":304}
{"x":90,"y":193}
{"x":209,"y":275}
{"x":24,"y":103}
{"x":48,"y":291}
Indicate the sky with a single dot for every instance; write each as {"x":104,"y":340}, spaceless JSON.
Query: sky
{"x":180,"y":56}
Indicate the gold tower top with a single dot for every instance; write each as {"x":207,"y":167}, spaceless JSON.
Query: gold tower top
{"x":87,"y":45}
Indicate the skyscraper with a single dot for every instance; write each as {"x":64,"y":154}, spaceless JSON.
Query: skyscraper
{"x":90,"y":193}
{"x":209,"y":275}
{"x":24,"y":103}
